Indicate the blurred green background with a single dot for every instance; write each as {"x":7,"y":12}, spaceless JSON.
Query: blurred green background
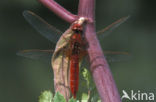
{"x":22,"y":79}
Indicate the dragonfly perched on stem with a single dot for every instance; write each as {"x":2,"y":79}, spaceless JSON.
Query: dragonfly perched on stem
{"x":71,"y":55}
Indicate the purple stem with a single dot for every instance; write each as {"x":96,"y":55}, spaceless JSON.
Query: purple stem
{"x":59,"y":10}
{"x":98,"y":65}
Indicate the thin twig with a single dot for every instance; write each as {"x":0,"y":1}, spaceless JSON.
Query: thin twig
{"x":59,"y":10}
{"x":98,"y":65}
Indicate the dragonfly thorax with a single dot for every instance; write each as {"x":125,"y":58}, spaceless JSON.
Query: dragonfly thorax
{"x":76,"y":37}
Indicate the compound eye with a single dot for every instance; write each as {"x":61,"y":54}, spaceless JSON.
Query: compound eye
{"x":76,"y":26}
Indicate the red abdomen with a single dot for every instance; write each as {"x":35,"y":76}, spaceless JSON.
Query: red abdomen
{"x":74,"y":74}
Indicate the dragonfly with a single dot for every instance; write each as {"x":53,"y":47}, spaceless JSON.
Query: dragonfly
{"x":75,"y":55}
{"x":75,"y":52}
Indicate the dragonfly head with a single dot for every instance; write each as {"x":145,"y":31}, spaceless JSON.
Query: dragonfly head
{"x":77,"y":28}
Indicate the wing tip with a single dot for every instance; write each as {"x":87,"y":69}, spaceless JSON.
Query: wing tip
{"x":126,"y":18}
{"x":27,"y":14}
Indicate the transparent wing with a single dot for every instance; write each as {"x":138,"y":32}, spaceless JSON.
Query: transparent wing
{"x":106,"y":31}
{"x":45,"y":29}
{"x":114,"y":56}
{"x":111,"y":56}
{"x":37,"y":54}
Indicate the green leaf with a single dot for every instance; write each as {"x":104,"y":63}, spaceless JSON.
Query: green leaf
{"x":92,"y":91}
{"x":72,"y":100}
{"x":59,"y":98}
{"x":46,"y":96}
{"x":83,"y":87}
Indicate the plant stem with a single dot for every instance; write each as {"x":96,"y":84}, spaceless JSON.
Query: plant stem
{"x":59,"y":10}
{"x":98,"y":65}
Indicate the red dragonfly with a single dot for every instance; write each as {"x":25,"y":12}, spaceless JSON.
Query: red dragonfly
{"x":75,"y":52}
{"x":75,"y":56}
